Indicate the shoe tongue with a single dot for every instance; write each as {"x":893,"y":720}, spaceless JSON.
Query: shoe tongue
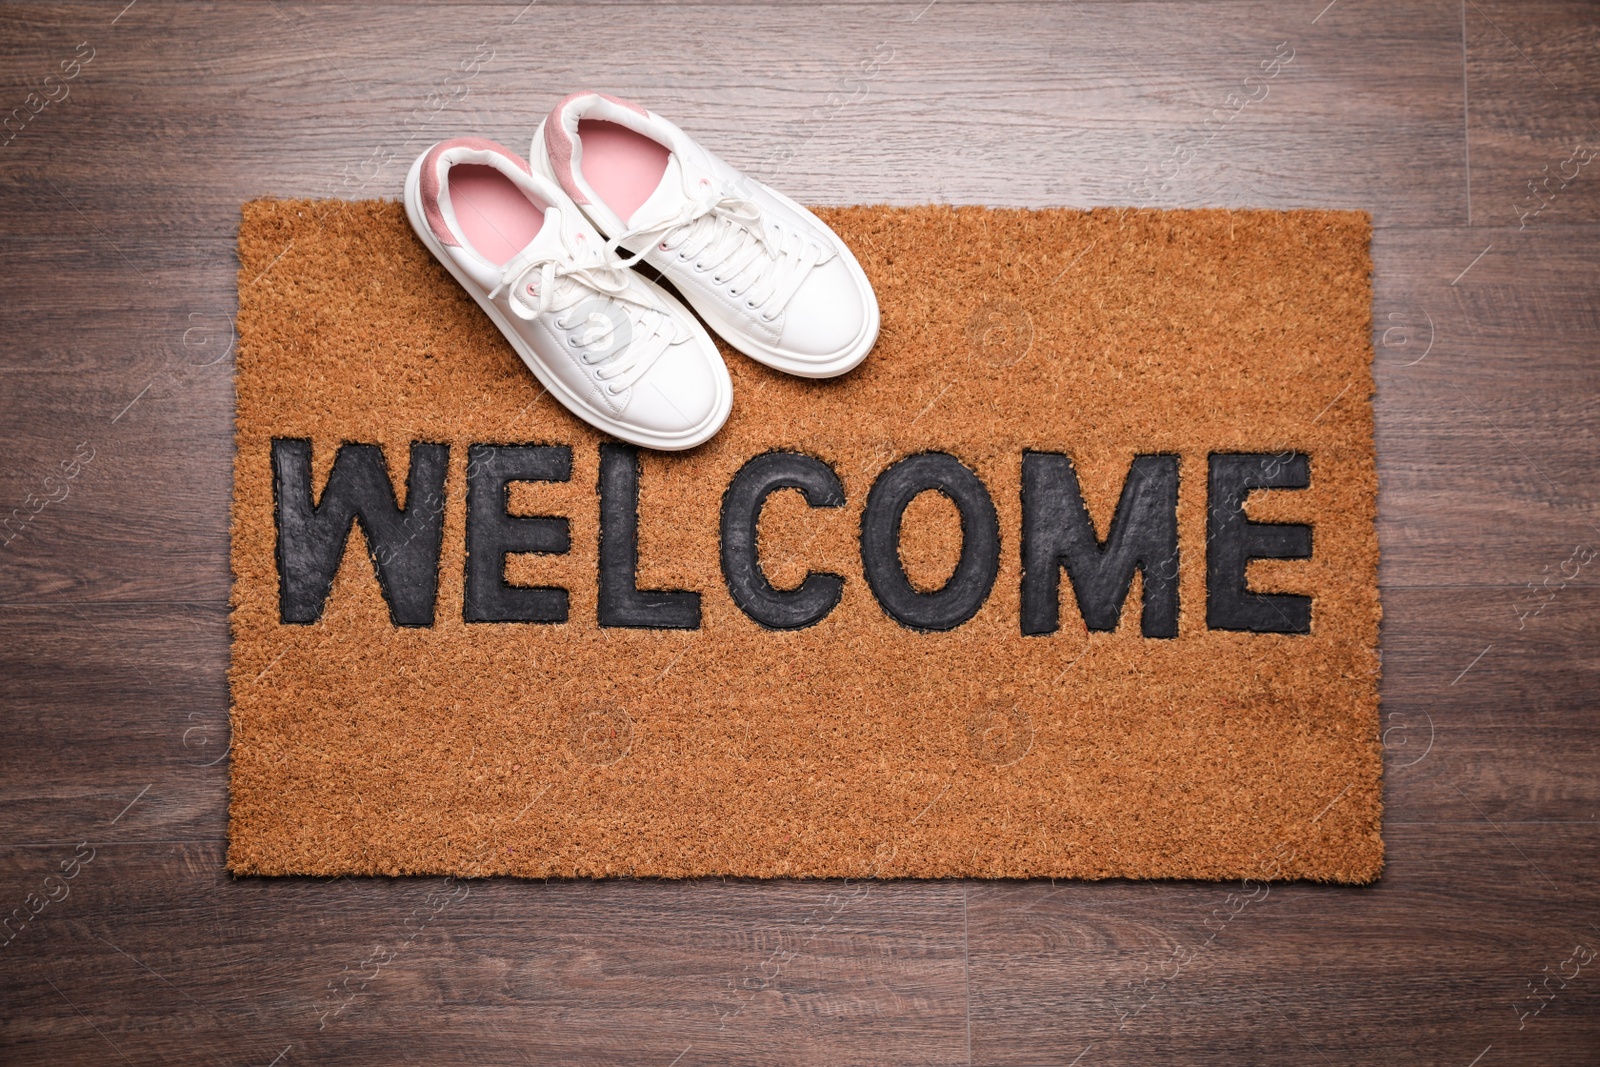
{"x":548,"y":243}
{"x":667,"y":200}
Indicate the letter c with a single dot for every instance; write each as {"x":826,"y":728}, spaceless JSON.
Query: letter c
{"x":776,"y":609}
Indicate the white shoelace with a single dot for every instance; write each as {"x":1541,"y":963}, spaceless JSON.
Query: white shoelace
{"x":626,"y":333}
{"x":765,"y":261}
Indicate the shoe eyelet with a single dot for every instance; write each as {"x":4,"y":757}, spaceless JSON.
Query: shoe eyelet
{"x":751,"y":304}
{"x":663,"y":247}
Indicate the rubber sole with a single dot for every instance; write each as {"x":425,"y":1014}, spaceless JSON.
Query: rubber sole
{"x":558,"y":389}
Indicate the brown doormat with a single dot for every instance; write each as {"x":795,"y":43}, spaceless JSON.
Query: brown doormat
{"x":1130,"y":629}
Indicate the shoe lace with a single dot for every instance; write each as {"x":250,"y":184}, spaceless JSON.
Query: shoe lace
{"x":724,"y":229}
{"x":625,"y":334}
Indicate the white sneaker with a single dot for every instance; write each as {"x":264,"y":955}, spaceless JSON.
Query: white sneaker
{"x":763,"y":271}
{"x":613,"y":347}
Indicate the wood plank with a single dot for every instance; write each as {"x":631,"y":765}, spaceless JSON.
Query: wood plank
{"x":114,"y":709}
{"x":146,"y":518}
{"x":1484,"y":342}
{"x":1533,"y":86}
{"x":609,"y":971}
{"x":1057,"y":104}
{"x":1422,"y":968}
{"x":170,"y":958}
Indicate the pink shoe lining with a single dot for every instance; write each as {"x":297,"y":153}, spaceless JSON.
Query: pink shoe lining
{"x":558,"y":140}
{"x":622,"y":167}
{"x":429,"y":187}
{"x":497,"y":218}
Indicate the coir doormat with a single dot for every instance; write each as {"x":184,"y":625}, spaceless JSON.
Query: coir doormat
{"x":1074,"y":577}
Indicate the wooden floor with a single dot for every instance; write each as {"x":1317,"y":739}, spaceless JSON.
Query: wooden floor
{"x":1466,"y":127}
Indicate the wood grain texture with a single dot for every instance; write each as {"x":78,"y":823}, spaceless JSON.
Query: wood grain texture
{"x":122,"y":203}
{"x":1533,"y":81}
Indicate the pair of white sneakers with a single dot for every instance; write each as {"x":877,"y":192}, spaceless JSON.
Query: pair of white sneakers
{"x":546,"y":251}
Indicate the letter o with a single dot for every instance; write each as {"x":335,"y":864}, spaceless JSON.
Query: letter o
{"x":969,"y":586}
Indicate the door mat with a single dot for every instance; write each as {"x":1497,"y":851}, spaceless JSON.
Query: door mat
{"x":1074,"y":577}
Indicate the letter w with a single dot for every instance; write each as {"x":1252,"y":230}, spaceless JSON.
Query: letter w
{"x":403,"y":542}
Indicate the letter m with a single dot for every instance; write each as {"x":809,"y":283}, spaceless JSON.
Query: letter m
{"x":403,"y":542}
{"x":1057,"y":532}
